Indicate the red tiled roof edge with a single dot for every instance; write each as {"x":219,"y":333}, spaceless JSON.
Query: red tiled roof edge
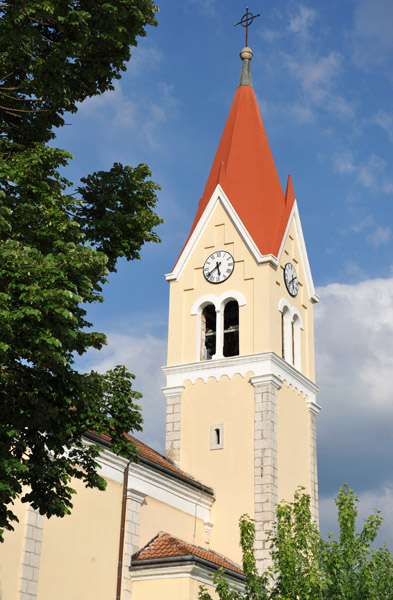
{"x":154,"y":459}
{"x":164,"y":549}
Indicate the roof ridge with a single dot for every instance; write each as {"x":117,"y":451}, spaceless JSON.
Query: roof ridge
{"x":182,"y":548}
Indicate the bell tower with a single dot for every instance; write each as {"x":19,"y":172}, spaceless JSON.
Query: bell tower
{"x":240,"y":391}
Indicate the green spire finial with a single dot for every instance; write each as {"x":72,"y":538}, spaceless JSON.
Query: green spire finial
{"x":245,"y":73}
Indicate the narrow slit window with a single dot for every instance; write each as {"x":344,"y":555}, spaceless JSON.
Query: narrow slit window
{"x":293,"y":343}
{"x":209,"y":325}
{"x":282,"y":336}
{"x":217,"y":437}
{"x":287,"y":335}
{"x":296,"y":327}
{"x":231,"y":329}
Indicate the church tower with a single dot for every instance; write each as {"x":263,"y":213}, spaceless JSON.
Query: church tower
{"x":241,"y":396}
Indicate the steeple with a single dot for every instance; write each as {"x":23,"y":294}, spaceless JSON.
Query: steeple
{"x":241,"y":397}
{"x":245,"y":170}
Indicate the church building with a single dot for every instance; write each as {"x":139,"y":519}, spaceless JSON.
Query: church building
{"x":241,"y":405}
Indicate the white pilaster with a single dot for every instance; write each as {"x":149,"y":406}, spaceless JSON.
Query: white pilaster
{"x":313,"y":410}
{"x":131,"y":540}
{"x":28,"y":582}
{"x":173,"y":422}
{"x":219,"y":334}
{"x":265,"y":463}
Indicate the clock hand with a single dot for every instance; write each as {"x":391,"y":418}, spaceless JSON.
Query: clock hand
{"x":293,"y":279}
{"x":216,"y":267}
{"x":211,"y":272}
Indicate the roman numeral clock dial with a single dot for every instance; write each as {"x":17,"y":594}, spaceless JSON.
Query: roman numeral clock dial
{"x":218,"y":267}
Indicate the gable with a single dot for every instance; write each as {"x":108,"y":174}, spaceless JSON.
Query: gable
{"x":219,"y":198}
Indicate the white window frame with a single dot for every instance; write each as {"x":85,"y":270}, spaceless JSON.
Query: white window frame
{"x":213,"y":437}
{"x":219,"y":303}
{"x":293,"y":324}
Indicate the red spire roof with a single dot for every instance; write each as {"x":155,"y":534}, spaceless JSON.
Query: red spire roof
{"x":245,"y":169}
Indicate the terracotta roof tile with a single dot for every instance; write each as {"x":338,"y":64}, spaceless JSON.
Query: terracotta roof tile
{"x":164,"y":546}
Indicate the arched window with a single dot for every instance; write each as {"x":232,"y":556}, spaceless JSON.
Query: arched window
{"x":231,"y":329}
{"x":286,"y":327}
{"x":218,"y":324}
{"x":208,"y":332}
{"x":296,"y":326}
{"x":291,"y":324}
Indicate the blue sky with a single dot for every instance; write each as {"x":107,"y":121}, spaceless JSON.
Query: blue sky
{"x":323,"y":76}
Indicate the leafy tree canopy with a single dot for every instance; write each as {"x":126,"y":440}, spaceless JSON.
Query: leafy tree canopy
{"x":56,"y":53}
{"x":306,"y":567}
{"x":57,"y":248}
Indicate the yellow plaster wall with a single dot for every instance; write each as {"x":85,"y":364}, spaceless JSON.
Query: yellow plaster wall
{"x":11,"y":552}
{"x":293,"y":443}
{"x":220,"y":234}
{"x":80,"y":554}
{"x":262,"y":286}
{"x":291,"y":253}
{"x":173,"y":588}
{"x":230,"y":470}
{"x":157,"y":516}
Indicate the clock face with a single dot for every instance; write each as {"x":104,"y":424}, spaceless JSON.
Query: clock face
{"x":291,"y":280}
{"x":218,"y":267}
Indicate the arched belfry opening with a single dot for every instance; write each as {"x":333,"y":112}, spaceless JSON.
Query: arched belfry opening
{"x":231,"y":329}
{"x":209,"y":328}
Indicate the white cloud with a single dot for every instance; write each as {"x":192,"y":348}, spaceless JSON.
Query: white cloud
{"x":355,"y":324}
{"x":303,"y":114}
{"x":317,"y":77}
{"x":354,"y":360}
{"x":359,"y":226}
{"x":113,"y":105}
{"x":354,"y":271}
{"x":144,"y":356}
{"x":301,"y":22}
{"x":385,"y":121}
{"x":145,"y":57}
{"x":369,"y":174}
{"x":354,"y":343}
{"x":344,"y":162}
{"x":380,"y":236}
{"x":139,"y":112}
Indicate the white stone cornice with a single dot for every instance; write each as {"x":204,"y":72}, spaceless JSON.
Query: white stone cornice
{"x":313,"y":407}
{"x":133,"y":494}
{"x":264,"y":379}
{"x":176,"y":390}
{"x":264,"y":364}
{"x":111,"y":465}
{"x":173,"y":492}
{"x":193,"y":571}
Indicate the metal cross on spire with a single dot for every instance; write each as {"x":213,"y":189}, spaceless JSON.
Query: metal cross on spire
{"x":246,"y":21}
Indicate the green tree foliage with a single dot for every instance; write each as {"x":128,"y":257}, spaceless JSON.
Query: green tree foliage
{"x":57,"y":248}
{"x":56,"y":53}
{"x":305,"y":567}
